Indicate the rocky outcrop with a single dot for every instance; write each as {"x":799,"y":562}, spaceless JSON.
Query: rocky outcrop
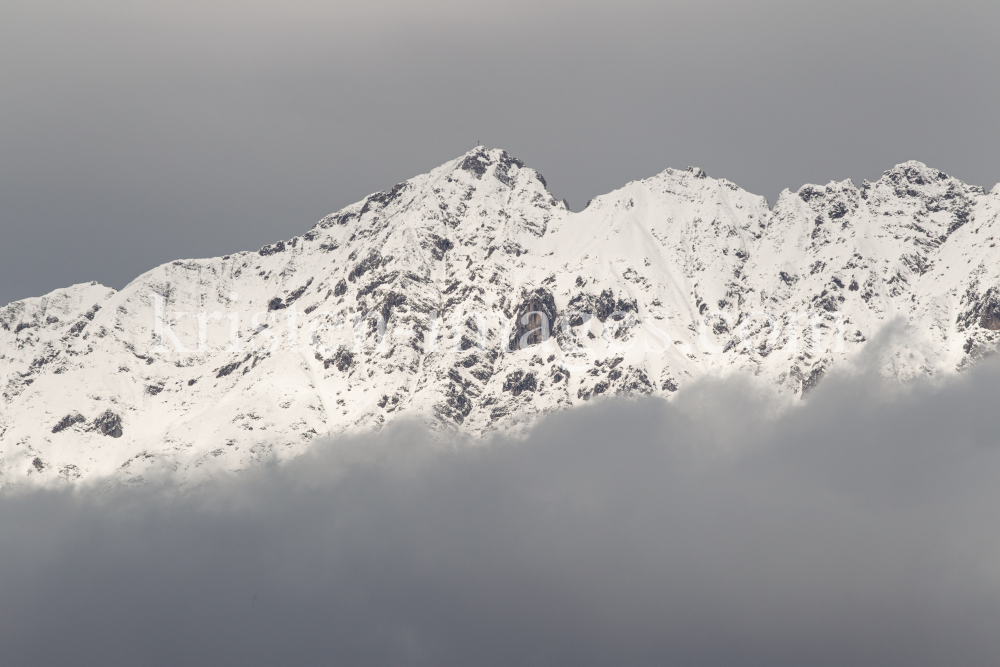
{"x":69,"y":421}
{"x":108,"y":423}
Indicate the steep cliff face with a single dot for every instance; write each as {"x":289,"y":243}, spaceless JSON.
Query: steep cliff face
{"x":470,"y":298}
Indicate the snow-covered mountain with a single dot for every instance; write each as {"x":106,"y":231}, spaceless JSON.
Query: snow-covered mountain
{"x":470,"y":298}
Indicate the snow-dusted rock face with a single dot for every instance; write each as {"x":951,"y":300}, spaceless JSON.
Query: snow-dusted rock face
{"x":471,"y":299}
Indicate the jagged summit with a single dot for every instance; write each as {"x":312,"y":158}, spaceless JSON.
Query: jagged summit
{"x":489,"y":177}
{"x":914,"y":172}
{"x":471,"y":298}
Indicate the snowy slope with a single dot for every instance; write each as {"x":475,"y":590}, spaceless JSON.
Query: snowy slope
{"x":465,"y":270}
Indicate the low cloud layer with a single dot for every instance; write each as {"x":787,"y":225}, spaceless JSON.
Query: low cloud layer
{"x":857,"y":528}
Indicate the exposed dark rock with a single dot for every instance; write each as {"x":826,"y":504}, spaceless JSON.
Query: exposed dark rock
{"x":295,"y":295}
{"x":787,"y":278}
{"x":514,"y":248}
{"x":991,"y":316}
{"x":108,"y":423}
{"x":826,"y":302}
{"x":602,"y":306}
{"x":388,"y":403}
{"x":458,"y":403}
{"x":720,"y":327}
{"x":809,"y":382}
{"x":226,"y":370}
{"x":372,"y":261}
{"x":809,"y":192}
{"x":340,"y":218}
{"x":518,"y":382}
{"x":982,"y":310}
{"x":440,"y":246}
{"x":837,"y":210}
{"x":481,"y":373}
{"x":457,"y":378}
{"x":960,"y":217}
{"x":272,"y":249}
{"x":39,"y":466}
{"x":277,"y":303}
{"x":69,"y":421}
{"x":382,"y":199}
{"x":504,"y":167}
{"x":477,"y":163}
{"x":390,"y":301}
{"x":917,"y":263}
{"x":533,"y":318}
{"x":507,"y":162}
{"x":343,"y":360}
{"x":376,"y":282}
{"x":635,"y":382}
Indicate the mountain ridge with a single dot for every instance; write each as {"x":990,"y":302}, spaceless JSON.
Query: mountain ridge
{"x":354,"y":323}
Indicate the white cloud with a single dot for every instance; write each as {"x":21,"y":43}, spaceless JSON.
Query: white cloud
{"x":858,"y":528}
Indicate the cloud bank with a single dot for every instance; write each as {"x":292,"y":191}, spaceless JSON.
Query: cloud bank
{"x":858,"y":528}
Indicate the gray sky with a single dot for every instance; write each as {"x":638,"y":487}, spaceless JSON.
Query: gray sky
{"x":858,"y":529}
{"x":137,"y":133}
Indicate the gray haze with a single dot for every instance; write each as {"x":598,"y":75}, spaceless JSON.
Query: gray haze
{"x":860,"y":528}
{"x":137,"y":133}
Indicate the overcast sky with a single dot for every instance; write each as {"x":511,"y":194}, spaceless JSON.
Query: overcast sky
{"x":135,"y":133}
{"x":860,"y":528}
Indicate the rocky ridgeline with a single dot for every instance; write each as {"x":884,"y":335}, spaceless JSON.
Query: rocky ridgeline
{"x":471,"y":299}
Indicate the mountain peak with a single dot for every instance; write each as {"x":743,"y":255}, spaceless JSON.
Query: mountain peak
{"x":914,"y":173}
{"x":481,"y":159}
